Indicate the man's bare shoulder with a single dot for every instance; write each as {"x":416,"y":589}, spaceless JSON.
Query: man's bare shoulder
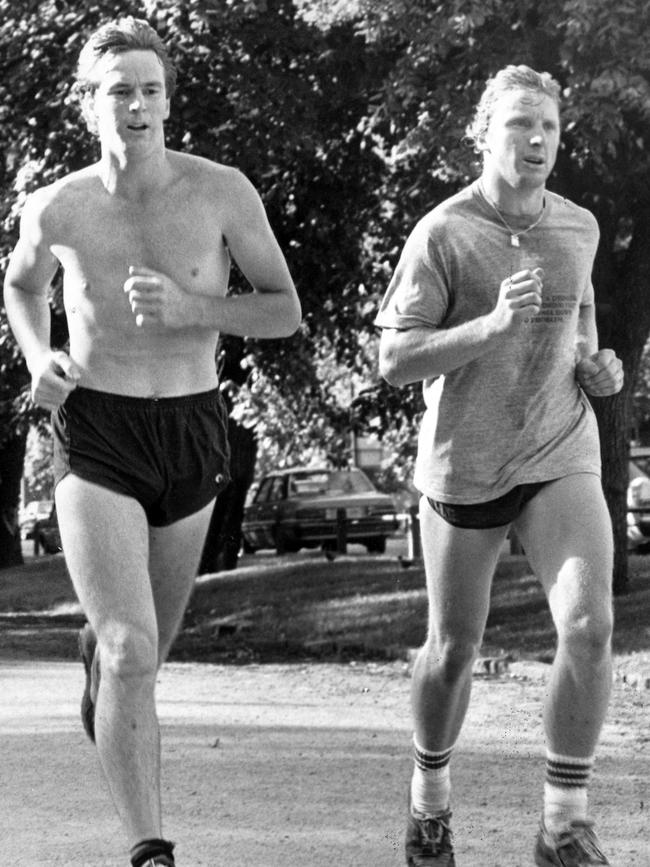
{"x":207,"y":174}
{"x":50,"y":204}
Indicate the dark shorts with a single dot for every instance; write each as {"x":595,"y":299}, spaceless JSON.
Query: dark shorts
{"x":493,"y":513}
{"x":170,"y":454}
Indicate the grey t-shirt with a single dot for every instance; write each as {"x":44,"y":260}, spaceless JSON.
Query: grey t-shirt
{"x":515,"y":414}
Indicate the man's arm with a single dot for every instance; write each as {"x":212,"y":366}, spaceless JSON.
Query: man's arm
{"x":257,"y":253}
{"x":29,"y":274}
{"x":272,"y":309}
{"x":421,"y":353}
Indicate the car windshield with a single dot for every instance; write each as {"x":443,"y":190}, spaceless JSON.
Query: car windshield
{"x":329,"y":483}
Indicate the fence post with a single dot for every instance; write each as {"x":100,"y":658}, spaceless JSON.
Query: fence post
{"x":413,"y":533}
{"x":341,"y":531}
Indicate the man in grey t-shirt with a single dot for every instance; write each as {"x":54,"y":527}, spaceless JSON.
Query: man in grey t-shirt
{"x":491,"y":307}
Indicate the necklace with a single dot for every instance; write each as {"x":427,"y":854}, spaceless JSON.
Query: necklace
{"x":515,"y":236}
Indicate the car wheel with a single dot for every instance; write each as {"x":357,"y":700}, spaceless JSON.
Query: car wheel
{"x":376,"y":546}
{"x":248,"y":548}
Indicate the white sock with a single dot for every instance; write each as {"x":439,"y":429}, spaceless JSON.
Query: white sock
{"x":431,"y":783}
{"x":565,"y":790}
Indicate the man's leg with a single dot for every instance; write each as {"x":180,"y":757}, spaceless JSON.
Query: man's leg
{"x":105,"y":542}
{"x":106,"y":539}
{"x":459,"y":565}
{"x":566,"y":533}
{"x":174,"y":556}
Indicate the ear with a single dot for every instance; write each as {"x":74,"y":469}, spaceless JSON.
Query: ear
{"x":168,"y":103}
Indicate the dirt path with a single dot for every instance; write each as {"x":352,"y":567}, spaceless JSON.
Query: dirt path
{"x":302,"y":766}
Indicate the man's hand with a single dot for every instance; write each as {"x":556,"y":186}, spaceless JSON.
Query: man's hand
{"x":53,"y":378}
{"x":155,"y":298}
{"x":520,"y":298}
{"x":600,"y":374}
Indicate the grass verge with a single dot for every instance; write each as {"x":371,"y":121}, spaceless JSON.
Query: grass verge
{"x":304,"y":606}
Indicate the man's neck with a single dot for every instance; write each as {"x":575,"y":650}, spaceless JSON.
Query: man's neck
{"x":519,"y":201}
{"x":130,"y":177}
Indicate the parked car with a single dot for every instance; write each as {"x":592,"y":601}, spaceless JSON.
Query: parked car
{"x":297,"y":508}
{"x":638,"y":506}
{"x":46,"y":534}
{"x":34,"y":511}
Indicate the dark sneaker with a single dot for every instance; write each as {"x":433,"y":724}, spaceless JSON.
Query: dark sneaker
{"x":575,"y":846}
{"x":90,"y":659}
{"x":429,"y":840}
{"x":153,"y":853}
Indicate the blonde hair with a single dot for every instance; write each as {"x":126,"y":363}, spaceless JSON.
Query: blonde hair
{"x":510,"y":78}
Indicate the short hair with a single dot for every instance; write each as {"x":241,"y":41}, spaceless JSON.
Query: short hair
{"x":510,"y":78}
{"x":116,"y":37}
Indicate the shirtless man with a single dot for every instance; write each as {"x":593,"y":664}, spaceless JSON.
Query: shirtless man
{"x":144,"y":237}
{"x":491,"y":307}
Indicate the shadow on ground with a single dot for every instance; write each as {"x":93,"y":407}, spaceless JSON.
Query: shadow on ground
{"x":307,"y":607}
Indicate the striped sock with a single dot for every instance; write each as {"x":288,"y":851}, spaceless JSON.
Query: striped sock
{"x":430,"y":785}
{"x":565,"y":789}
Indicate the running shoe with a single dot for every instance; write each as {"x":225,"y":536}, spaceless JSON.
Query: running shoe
{"x":90,"y":659}
{"x":153,"y":853}
{"x":429,"y":840}
{"x":575,"y":846}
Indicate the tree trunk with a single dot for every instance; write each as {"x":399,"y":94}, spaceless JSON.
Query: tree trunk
{"x":625,"y":330}
{"x":12,"y":458}
{"x":223,"y":541}
{"x":613,"y":426}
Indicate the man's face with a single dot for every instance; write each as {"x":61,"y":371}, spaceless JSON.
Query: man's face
{"x":130,"y":104}
{"x":523,"y":135}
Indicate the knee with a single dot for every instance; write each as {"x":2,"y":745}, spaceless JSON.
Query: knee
{"x":452,"y":657}
{"x":128,"y":652}
{"x":589,"y":634}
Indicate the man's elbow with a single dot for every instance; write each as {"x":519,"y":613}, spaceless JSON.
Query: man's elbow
{"x":394,"y":376}
{"x":390,"y":368}
{"x":289,"y":321}
{"x":12,"y":294}
{"x":294,"y":317}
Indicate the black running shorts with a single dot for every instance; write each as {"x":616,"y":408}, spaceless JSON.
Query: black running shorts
{"x":493,"y":513}
{"x":170,"y":453}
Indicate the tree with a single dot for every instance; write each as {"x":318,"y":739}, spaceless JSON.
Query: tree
{"x":443,"y":53}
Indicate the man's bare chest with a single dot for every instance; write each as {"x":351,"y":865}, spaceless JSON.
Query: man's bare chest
{"x":181,"y":241}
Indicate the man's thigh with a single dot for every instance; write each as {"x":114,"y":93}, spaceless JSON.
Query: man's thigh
{"x":567,"y":536}
{"x":105,"y":541}
{"x":174,"y":556}
{"x":459,"y":565}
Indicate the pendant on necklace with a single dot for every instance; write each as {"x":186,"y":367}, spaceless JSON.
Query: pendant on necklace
{"x":514,"y":240}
